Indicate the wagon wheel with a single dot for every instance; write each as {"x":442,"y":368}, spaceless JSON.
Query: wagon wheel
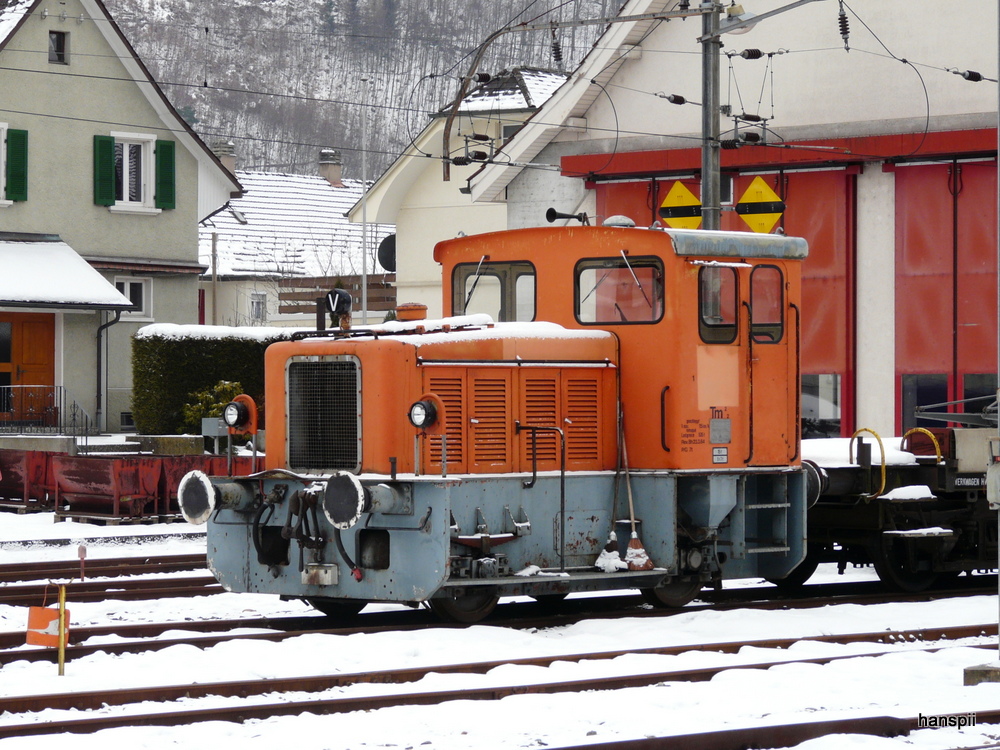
{"x":675,"y":594}
{"x":342,"y":609}
{"x":894,"y":568}
{"x":472,"y":607}
{"x":794,"y":580}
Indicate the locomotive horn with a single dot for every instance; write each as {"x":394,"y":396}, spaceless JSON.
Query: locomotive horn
{"x":552,"y":215}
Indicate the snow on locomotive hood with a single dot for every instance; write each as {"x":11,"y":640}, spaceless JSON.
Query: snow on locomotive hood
{"x":479,"y":326}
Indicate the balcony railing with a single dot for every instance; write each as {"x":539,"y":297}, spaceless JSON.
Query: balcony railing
{"x":41,"y":410}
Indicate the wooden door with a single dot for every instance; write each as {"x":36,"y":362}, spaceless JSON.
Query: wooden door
{"x":27,"y":368}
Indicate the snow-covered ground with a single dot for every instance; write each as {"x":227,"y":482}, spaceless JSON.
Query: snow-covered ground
{"x":896,"y":682}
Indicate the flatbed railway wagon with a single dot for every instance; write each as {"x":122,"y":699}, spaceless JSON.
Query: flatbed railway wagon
{"x":586,"y":383}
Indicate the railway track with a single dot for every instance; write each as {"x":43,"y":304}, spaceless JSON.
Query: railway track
{"x":110,"y":578}
{"x":95,"y":568}
{"x":88,"y":701}
{"x":142,"y":637}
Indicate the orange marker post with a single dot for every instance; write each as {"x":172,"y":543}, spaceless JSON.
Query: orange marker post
{"x":50,"y":627}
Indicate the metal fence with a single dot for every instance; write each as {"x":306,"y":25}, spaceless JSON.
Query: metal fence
{"x":41,"y":410}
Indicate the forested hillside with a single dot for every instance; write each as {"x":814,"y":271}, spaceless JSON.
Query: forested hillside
{"x":282,"y":78}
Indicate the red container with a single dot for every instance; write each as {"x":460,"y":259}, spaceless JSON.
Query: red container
{"x":27,"y":476}
{"x":111,"y":486}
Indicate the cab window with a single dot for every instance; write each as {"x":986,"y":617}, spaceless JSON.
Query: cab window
{"x":504,"y":291}
{"x":766,"y":305}
{"x":717,"y":304}
{"x":619,"y":290}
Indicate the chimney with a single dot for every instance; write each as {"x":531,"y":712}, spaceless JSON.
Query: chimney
{"x":226,"y":151}
{"x":331,"y":167}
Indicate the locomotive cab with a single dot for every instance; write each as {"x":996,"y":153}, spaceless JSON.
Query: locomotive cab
{"x":490,"y":453}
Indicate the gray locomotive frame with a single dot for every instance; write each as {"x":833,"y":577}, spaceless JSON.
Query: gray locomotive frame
{"x":424,"y":537}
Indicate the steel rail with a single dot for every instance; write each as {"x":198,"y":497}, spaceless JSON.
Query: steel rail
{"x":112,"y":566}
{"x":243,"y":688}
{"x":244,"y":712}
{"x":520,"y":615}
{"x":38,"y":595}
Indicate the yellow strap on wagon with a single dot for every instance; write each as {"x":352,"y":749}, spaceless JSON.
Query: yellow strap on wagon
{"x":881,"y":447}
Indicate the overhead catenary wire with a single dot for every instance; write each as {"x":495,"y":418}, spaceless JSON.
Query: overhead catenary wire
{"x":967,"y":75}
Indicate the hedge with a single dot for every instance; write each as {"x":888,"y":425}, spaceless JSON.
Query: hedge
{"x":172,"y":362}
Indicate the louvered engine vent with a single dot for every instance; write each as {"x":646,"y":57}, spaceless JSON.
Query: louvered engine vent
{"x":324,"y":431}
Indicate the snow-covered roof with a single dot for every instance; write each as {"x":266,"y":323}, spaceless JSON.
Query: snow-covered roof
{"x":11,"y":12}
{"x":523,"y":88}
{"x":287,"y":225}
{"x":43,"y":271}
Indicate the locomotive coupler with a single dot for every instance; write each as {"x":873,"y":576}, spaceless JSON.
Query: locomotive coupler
{"x":302,"y":522}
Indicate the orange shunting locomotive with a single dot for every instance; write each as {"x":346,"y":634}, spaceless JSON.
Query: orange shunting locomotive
{"x":601,"y":408}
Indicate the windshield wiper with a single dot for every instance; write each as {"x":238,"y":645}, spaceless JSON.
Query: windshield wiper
{"x":475,"y":281}
{"x":636,"y":279}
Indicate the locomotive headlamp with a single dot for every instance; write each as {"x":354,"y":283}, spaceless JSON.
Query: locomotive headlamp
{"x":235,"y":414}
{"x":423,"y":414}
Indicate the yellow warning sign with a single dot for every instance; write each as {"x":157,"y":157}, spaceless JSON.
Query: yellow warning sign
{"x":681,"y":209}
{"x":760,"y":207}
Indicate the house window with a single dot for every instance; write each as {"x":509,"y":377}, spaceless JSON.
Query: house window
{"x":134,"y":172}
{"x":130,"y":181}
{"x":13,"y":165}
{"x":137,"y":291}
{"x":258,"y":308}
{"x":59,"y":47}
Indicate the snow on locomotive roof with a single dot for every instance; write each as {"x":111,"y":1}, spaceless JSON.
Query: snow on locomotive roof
{"x":737,"y":244}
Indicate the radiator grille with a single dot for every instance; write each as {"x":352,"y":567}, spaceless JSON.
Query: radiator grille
{"x":582,"y":434}
{"x":541,"y":410}
{"x":449,"y":390}
{"x":490,"y":410}
{"x":323,"y":415}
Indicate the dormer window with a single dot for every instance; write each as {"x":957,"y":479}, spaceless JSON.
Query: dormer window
{"x":59,"y":47}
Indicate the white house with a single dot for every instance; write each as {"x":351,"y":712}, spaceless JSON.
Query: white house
{"x":424,"y":209}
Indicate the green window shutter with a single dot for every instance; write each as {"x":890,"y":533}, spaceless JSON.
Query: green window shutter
{"x":166,"y":187}
{"x":104,"y":170}
{"x":17,"y":165}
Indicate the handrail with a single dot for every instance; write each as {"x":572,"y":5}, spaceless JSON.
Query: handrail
{"x":928,"y":433}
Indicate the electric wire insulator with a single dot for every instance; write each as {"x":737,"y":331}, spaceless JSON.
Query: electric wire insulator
{"x":478,"y":155}
{"x":972,"y":75}
{"x":751,"y":54}
{"x":845,"y":27}
{"x":751,"y":118}
{"x":461,"y":161}
{"x":479,"y":137}
{"x":751,"y":137}
{"x":729,"y":144}
{"x":675,"y":99}
{"x":557,"y":54}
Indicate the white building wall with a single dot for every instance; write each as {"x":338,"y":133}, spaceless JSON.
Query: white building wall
{"x":815,"y":85}
{"x":876,"y":300}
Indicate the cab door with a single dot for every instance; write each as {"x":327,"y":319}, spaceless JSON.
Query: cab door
{"x":772,"y":353}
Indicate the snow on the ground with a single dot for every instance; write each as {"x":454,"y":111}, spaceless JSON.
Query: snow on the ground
{"x":889,"y":680}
